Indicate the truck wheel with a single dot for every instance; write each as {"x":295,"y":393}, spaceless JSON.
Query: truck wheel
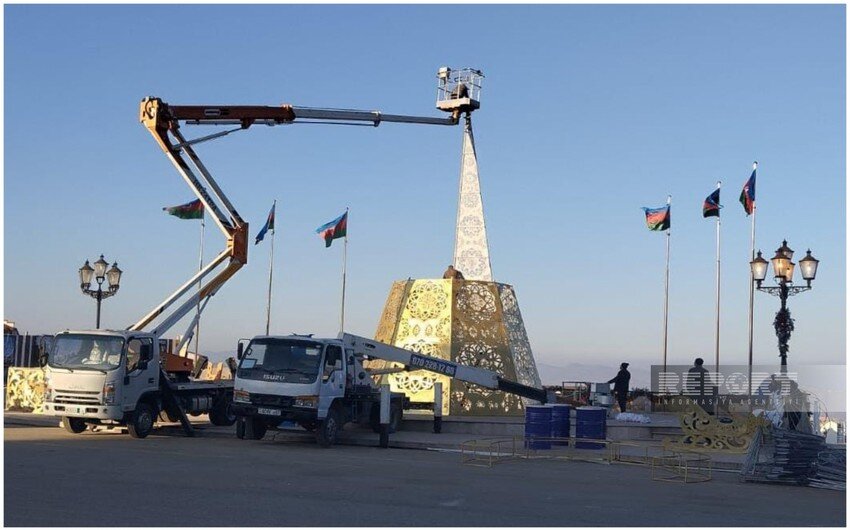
{"x":328,"y":428}
{"x":141,"y":422}
{"x":255,"y":428}
{"x":221,"y":415}
{"x":73,"y":425}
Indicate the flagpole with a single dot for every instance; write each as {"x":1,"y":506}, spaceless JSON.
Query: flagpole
{"x":717,"y":301}
{"x":666,"y":286}
{"x":752,"y":293}
{"x":344,"y":263}
{"x":200,"y":268}
{"x":271,"y":269}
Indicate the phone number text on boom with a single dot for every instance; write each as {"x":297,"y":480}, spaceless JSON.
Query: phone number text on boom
{"x":433,"y":365}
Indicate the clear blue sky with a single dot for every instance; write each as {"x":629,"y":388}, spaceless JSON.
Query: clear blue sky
{"x":588,"y":113}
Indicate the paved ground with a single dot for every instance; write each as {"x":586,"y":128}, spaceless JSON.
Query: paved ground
{"x":99,"y":479}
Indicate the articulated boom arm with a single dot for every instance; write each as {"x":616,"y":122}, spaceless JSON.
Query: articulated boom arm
{"x":163,"y":122}
{"x":416,"y":361}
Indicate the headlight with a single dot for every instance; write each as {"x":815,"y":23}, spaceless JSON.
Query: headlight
{"x":307,"y":401}
{"x":109,"y":393}
{"x":241,"y":396}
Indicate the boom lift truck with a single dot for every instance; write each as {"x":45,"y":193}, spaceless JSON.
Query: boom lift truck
{"x":112,"y":376}
{"x":321,"y":384}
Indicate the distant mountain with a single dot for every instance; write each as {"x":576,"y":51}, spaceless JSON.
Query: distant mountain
{"x":590,"y":373}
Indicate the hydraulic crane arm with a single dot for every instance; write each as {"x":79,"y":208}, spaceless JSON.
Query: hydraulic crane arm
{"x":416,"y":361}
{"x":163,"y":122}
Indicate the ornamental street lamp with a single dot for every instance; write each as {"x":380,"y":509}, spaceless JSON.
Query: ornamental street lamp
{"x":783,"y":274}
{"x":112,"y":277}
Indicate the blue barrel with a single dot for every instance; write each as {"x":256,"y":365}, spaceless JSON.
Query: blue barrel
{"x":590,"y":423}
{"x":538,"y":424}
{"x":561,"y":423}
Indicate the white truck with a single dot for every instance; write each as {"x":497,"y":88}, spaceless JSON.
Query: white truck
{"x":117,"y":378}
{"x":321,"y":384}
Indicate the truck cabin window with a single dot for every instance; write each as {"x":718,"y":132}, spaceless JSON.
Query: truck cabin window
{"x":281,"y":360}
{"x":134,"y":347}
{"x":86,"y":352}
{"x":333,"y":361}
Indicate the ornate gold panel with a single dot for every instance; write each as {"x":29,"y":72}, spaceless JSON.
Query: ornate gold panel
{"x":475,"y":323}
{"x":25,"y":389}
{"x":479,"y":339}
{"x":526,"y":368}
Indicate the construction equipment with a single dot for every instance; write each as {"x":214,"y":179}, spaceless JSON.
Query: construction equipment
{"x":113,"y":377}
{"x":321,"y":384}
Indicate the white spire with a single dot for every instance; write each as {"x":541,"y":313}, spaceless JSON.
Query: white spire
{"x":472,"y":253}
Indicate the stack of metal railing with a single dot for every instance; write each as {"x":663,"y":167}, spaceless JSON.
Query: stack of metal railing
{"x":782,"y":456}
{"x":831,"y":469}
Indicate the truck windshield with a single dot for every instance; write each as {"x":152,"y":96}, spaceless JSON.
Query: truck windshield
{"x":86,"y":352}
{"x":281,"y":360}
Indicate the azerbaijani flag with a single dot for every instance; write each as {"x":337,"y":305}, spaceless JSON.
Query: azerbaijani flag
{"x":711,"y":206}
{"x":657,"y":219}
{"x":334,"y":230}
{"x":266,"y":227}
{"x":748,"y":194}
{"x":190,"y":210}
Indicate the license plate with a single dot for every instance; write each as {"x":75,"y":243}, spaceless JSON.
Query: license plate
{"x":268,"y":412}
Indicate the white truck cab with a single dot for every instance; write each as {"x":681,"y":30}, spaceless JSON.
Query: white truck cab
{"x":316,"y":383}
{"x":115,"y":378}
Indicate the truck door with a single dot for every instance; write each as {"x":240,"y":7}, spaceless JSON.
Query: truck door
{"x":141,"y":371}
{"x":333,"y":379}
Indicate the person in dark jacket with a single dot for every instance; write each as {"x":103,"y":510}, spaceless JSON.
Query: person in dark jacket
{"x":621,"y":386}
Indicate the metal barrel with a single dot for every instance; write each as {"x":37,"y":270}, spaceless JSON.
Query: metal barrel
{"x":590,"y":423}
{"x":538,"y":424}
{"x":561,"y":423}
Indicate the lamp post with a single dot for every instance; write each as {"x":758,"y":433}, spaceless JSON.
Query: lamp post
{"x":111,"y":276}
{"x":783,"y":273}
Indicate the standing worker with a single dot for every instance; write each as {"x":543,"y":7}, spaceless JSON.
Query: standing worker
{"x":621,"y":386}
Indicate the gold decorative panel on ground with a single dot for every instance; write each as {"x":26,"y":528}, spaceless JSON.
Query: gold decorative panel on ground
{"x":25,"y":389}
{"x":475,"y":323}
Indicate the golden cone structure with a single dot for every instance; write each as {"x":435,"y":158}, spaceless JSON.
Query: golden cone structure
{"x":473,"y":321}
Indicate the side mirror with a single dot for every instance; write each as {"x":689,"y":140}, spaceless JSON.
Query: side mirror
{"x":142,"y":364}
{"x":145,"y":353}
{"x":42,"y":360}
{"x":239,"y":350}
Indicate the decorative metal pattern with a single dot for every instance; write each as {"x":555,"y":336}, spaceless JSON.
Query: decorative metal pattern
{"x":472,"y":253}
{"x":389,"y":318}
{"x":25,"y":389}
{"x":471,"y":322}
{"x":526,"y":368}
{"x":418,"y":317}
{"x":702,"y":432}
{"x":480,"y":339}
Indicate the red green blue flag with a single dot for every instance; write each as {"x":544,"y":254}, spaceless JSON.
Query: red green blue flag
{"x":748,"y":194}
{"x":711,"y":206}
{"x":334,"y":230}
{"x":266,"y":227}
{"x":190,"y":210}
{"x":657,"y":219}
